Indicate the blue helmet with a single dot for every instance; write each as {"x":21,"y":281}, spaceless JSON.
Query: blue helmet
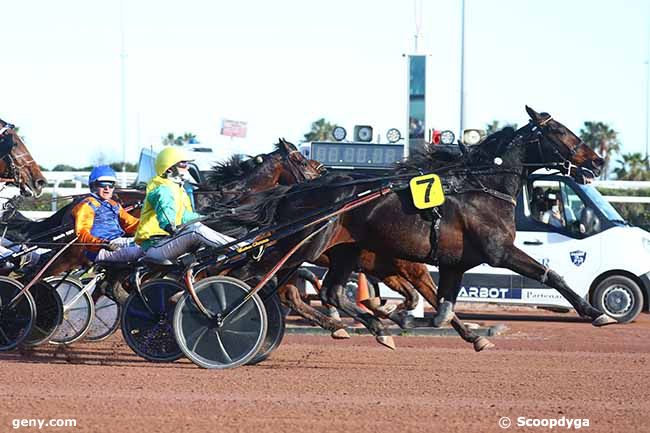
{"x":102,"y":173}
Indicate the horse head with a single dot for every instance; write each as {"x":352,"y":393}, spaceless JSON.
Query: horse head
{"x":17,"y":165}
{"x":296,"y":167}
{"x":284,"y":166}
{"x":563,"y":146}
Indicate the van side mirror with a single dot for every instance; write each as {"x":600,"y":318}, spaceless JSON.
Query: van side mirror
{"x":589,"y":222}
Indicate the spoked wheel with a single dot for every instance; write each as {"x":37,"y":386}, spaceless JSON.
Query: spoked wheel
{"x":147,"y":321}
{"x":275,"y":329}
{"x":212,"y":343}
{"x":16,"y":319}
{"x":78,"y":310}
{"x":49,"y":313}
{"x":106,"y":320}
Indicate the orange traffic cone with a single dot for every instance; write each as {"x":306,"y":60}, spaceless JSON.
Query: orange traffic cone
{"x":364,"y":299}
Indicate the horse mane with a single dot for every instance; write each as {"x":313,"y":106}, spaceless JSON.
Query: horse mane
{"x":437,"y":157}
{"x":237,"y":167}
{"x":281,"y":144}
{"x":262,"y":209}
{"x":259,"y":212}
{"x":226,"y":171}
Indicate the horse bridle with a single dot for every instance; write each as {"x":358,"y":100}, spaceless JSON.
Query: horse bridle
{"x":565,"y":162}
{"x":13,"y":169}
{"x":296,"y":171}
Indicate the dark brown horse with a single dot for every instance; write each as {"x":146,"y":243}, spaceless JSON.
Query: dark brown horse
{"x":239,"y":179}
{"x":474,"y":225}
{"x":17,"y":166}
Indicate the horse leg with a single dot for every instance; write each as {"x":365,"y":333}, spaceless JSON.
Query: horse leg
{"x":449,"y":284}
{"x":420,"y":277}
{"x":342,"y":262}
{"x":290,"y":296}
{"x":312,"y":279}
{"x":523,"y":264}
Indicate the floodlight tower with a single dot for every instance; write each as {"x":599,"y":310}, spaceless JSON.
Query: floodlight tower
{"x":416,"y":90}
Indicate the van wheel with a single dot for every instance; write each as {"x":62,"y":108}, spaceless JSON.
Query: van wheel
{"x":619,"y":297}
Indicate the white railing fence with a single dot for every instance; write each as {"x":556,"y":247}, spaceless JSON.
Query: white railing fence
{"x":80,"y":180}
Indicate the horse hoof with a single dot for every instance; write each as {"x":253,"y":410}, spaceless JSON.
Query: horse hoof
{"x":386,"y":340}
{"x":403,"y":319}
{"x":385,"y":310}
{"x":333,"y":313}
{"x":444,"y":315}
{"x":340,"y":334}
{"x":482,"y":343}
{"x":603,"y":320}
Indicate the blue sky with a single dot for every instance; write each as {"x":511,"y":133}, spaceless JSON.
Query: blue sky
{"x":281,"y":65}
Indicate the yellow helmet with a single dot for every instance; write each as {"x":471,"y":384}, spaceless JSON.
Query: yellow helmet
{"x":168,"y":157}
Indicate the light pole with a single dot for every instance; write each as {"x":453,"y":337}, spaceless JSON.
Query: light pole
{"x":123,"y":92}
{"x":462,"y":69}
{"x":647,"y":104}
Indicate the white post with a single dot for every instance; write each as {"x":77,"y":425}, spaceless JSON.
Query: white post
{"x":54,"y":194}
{"x":462,"y":69}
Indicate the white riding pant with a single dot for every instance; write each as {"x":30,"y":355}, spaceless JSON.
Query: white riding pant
{"x":188,"y":239}
{"x":126,"y":254}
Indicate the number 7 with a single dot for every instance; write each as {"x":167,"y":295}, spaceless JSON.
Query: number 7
{"x":430,"y":181}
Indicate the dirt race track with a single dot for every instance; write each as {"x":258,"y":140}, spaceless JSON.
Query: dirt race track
{"x":314,"y":384}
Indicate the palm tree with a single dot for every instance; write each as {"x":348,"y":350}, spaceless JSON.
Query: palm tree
{"x":633,"y":166}
{"x":189,"y":138}
{"x":603,"y":139}
{"x":320,"y":130}
{"x":172,"y":140}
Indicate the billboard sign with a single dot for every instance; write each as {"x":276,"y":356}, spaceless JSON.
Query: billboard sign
{"x":233,"y":128}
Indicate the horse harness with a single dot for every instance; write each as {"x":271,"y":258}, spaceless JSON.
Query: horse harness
{"x":7,"y":144}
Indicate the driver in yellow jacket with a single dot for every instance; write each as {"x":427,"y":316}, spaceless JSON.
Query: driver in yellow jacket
{"x":169,"y":204}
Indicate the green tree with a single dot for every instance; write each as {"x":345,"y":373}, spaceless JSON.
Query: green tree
{"x":603,"y":139}
{"x":633,"y":166}
{"x":64,"y":167}
{"x":129,"y":166}
{"x":172,"y":140}
{"x":320,"y":130}
{"x":495,"y":126}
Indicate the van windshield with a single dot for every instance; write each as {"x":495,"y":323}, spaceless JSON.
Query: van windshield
{"x":602,"y":204}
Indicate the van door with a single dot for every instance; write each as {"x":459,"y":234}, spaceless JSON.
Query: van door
{"x":550,"y":232}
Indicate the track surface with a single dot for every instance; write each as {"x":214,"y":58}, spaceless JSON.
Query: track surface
{"x":539,"y":369}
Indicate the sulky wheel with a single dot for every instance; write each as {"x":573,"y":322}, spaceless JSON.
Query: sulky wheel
{"x":17,"y":318}
{"x":49,"y":313}
{"x":78,"y":310}
{"x":147,"y":321}
{"x":275,"y":328}
{"x":218,"y":341}
{"x":106,"y":320}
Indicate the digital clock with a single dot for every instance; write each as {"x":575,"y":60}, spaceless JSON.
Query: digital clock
{"x":353,"y":155}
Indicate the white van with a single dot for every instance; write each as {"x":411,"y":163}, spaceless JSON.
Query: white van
{"x":573,"y":230}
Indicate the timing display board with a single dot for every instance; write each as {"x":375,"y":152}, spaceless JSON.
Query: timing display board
{"x":333,"y":154}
